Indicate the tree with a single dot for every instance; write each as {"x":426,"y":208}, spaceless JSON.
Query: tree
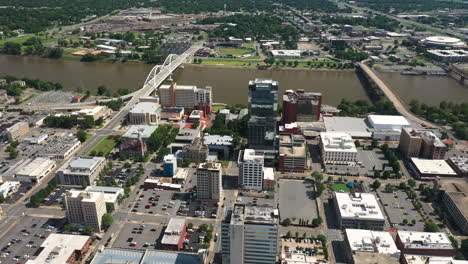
{"x":88,"y":230}
{"x":286,"y":222}
{"x":405,"y":221}
{"x":101,"y":90}
{"x":376,"y":174}
{"x":430,"y":226}
{"x":81,"y":135}
{"x":107,"y":220}
{"x":317,"y":221}
{"x":411,"y":183}
{"x":12,"y":48}
{"x":376,"y":184}
{"x":13,"y":153}
{"x":357,"y":143}
{"x":374,"y":143}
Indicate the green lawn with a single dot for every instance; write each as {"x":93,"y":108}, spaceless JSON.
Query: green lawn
{"x":231,"y":62}
{"x":104,"y":147}
{"x":233,"y":51}
{"x":249,"y":45}
{"x":339,"y":187}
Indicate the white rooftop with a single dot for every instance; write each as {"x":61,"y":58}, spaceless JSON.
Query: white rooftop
{"x":388,"y":120}
{"x":87,"y":164}
{"x":355,"y":127}
{"x":217,"y":140}
{"x":268,"y":173}
{"x":58,"y":248}
{"x":36,"y":167}
{"x":173,"y":231}
{"x":144,"y":131}
{"x":358,"y":205}
{"x":87,"y":196}
{"x":418,"y":259}
{"x":371,"y":241}
{"x":429,"y":166}
{"x":144,"y":107}
{"x":337,"y":141}
{"x":252,"y":155}
{"x":412,"y":239}
{"x":91,"y":111}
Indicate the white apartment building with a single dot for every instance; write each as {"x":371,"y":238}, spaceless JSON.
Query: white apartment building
{"x":366,"y":246}
{"x":35,"y":170}
{"x":80,"y":170}
{"x":251,"y":164}
{"x":249,"y":235}
{"x":209,"y":181}
{"x":144,"y":113}
{"x":85,"y":208}
{"x":337,"y":147}
{"x":358,"y":210}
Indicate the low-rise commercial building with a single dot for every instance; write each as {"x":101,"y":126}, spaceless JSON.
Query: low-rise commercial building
{"x":286,"y":54}
{"x":358,"y":210}
{"x":8,"y":188}
{"x":85,"y":208}
{"x":337,"y":148}
{"x":459,"y":164}
{"x":80,"y":170}
{"x":222,"y":145}
{"x":131,"y":256}
{"x":60,"y":147}
{"x":209,"y":181}
{"x":428,"y":169}
{"x":268,"y":179}
{"x":293,"y":153}
{"x":61,"y":249}
{"x":421,"y":259}
{"x":455,"y":199}
{"x":366,"y":246}
{"x":17,"y":131}
{"x":96,"y":112}
{"x":424,"y":243}
{"x":174,"y":235}
{"x":35,"y":170}
{"x":187,"y":135}
{"x":144,"y":113}
{"x":172,"y":114}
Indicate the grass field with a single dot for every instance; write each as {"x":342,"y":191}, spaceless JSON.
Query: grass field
{"x":103,"y":147}
{"x":231,"y":62}
{"x":339,"y":187}
{"x":233,"y":52}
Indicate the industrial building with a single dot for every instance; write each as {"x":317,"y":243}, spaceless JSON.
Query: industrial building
{"x":144,"y":113}
{"x":427,"y":169}
{"x":263,"y":108}
{"x":61,"y":249}
{"x":387,"y":127}
{"x":85,"y":208}
{"x":366,"y":246}
{"x":209,"y":181}
{"x":455,"y":199}
{"x":293,"y":153}
{"x":135,"y":140}
{"x":174,"y":235}
{"x":34,"y":170}
{"x":17,"y":131}
{"x":251,"y":165}
{"x":301,"y":106}
{"x":337,"y":148}
{"x":187,"y":96}
{"x":358,"y":210}
{"x":249,"y":234}
{"x":80,"y":170}
{"x":354,"y":126}
{"x":424,"y":243}
{"x":170,"y":165}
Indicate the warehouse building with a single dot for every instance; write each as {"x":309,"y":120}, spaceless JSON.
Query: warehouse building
{"x":35,"y":170}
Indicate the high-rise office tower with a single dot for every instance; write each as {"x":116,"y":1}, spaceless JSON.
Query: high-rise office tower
{"x":209,"y":181}
{"x":301,"y":106}
{"x":251,"y":165}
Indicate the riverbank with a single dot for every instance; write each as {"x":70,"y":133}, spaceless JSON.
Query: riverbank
{"x":266,"y":68}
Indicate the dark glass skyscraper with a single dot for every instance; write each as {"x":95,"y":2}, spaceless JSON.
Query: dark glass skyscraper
{"x":263,"y":108}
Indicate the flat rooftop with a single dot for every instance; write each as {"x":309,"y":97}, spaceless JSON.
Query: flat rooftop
{"x":371,"y":241}
{"x":461,"y":162}
{"x":388,"y":120}
{"x":355,"y":127}
{"x":87,"y":196}
{"x":425,"y":240}
{"x":173,"y":231}
{"x":135,"y":131}
{"x":358,"y":205}
{"x":252,"y":155}
{"x":254,"y":215}
{"x":84,"y":163}
{"x":337,"y":142}
{"x":293,"y":145}
{"x":217,"y":140}
{"x":436,"y":167}
{"x":457,"y":190}
{"x":418,"y":259}
{"x":36,"y":167}
{"x":57,"y":248}
{"x":144,"y":107}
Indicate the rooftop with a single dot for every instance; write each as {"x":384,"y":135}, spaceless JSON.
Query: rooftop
{"x":57,"y":248}
{"x":86,"y":196}
{"x":461,"y":162}
{"x":251,"y":155}
{"x":425,"y":240}
{"x":436,"y":167}
{"x":371,"y":241}
{"x":128,"y":256}
{"x":457,"y":190}
{"x":388,"y":120}
{"x":293,"y":145}
{"x":218,"y":140}
{"x":187,"y":134}
{"x":358,"y":205}
{"x":173,"y":231}
{"x":245,"y":214}
{"x":210,"y":166}
{"x":135,"y":131}
{"x":92,"y":111}
{"x":36,"y":167}
{"x":418,"y":259}
{"x":355,"y":127}
{"x":84,"y":163}
{"x":118,"y":256}
{"x":335,"y":141}
{"x":268,"y":174}
{"x":144,"y":107}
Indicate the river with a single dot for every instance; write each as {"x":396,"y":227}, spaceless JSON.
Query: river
{"x":229,"y":84}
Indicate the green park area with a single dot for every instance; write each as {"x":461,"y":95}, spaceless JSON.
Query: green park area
{"x":104,"y":147}
{"x":336,"y":187}
{"x":233,"y":51}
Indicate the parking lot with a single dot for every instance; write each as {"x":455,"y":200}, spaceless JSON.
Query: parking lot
{"x":56,"y":196}
{"x":156,"y":202}
{"x":197,"y":208}
{"x":398,"y":207}
{"x":309,"y":247}
{"x":22,"y":242}
{"x":139,"y":236}
{"x":22,"y":190}
{"x":297,"y":200}
{"x":121,"y":175}
{"x":370,"y":160}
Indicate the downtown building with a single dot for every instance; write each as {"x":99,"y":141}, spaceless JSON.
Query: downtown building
{"x":251,"y":164}
{"x":80,"y":171}
{"x":423,"y":144}
{"x":209,"y":181}
{"x":85,"y":208}
{"x":301,"y":106}
{"x":186,"y":96}
{"x":358,"y":210}
{"x":263,"y":109}
{"x":249,"y":234}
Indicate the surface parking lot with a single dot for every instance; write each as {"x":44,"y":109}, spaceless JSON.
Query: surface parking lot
{"x":399,"y":207}
{"x":22,"y":190}
{"x":197,"y":208}
{"x":140,"y":236}
{"x":370,"y":159}
{"x":121,"y":175}
{"x":22,"y":242}
{"x":56,"y":196}
{"x":156,"y":202}
{"x":297,"y":200}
